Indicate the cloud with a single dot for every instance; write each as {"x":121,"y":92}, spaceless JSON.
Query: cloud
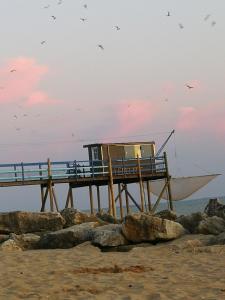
{"x":209,"y":118}
{"x":132,"y":116}
{"x":22,"y":85}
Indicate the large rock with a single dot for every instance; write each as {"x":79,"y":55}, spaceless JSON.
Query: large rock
{"x":212,"y":225}
{"x":9,"y":245}
{"x":109,"y":236}
{"x":218,"y":240}
{"x":141,"y":227}
{"x":28,"y":241}
{"x":68,"y":237}
{"x":166,"y":214}
{"x":73,"y":216}
{"x":4,"y":237}
{"x":215,"y":208}
{"x":106,"y":217}
{"x":27,"y":222}
{"x":191,"y":222}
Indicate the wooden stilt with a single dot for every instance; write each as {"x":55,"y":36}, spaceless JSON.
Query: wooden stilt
{"x":149,"y":195}
{"x":133,"y":200}
{"x":42,"y":194}
{"x":71,"y":197}
{"x":111,"y":184}
{"x":120,"y":200}
{"x":98,"y":198}
{"x":168,"y":180}
{"x":127,"y":200}
{"x":91,"y":199}
{"x":117,"y":197}
{"x":140,"y":183}
{"x":55,"y":199}
{"x":68,"y":199}
{"x":44,"y":200}
{"x":109,"y":200}
{"x":160,"y":196}
{"x":50,"y":186}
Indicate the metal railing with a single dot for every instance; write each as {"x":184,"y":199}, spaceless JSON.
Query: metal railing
{"x":79,"y":169}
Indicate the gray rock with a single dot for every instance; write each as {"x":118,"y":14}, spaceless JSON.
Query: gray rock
{"x":212,"y":225}
{"x":68,"y":237}
{"x":191,"y":222}
{"x":26,"y":241}
{"x":9,"y":245}
{"x":106,"y":217}
{"x":141,"y":227}
{"x":218,"y":240}
{"x":166,"y":214}
{"x":4,"y":237}
{"x":109,"y":236}
{"x":215,"y":208}
{"x":27,"y":222}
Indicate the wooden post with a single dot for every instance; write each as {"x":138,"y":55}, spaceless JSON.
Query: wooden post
{"x":160,"y":196}
{"x":109,"y":200}
{"x":111,"y":184}
{"x":42,"y":194}
{"x":44,"y":201}
{"x":71,"y":197}
{"x":50,"y":185}
{"x":133,"y":200}
{"x":168,"y":180}
{"x":140,"y":183}
{"x":55,"y":199}
{"x":120,"y":201}
{"x":149,"y":195}
{"x":91,"y":199}
{"x":98,"y":198}
{"x":127,"y":200}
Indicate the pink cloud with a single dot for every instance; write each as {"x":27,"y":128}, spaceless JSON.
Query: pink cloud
{"x":22,"y":85}
{"x":209,"y":118}
{"x":132,"y":116}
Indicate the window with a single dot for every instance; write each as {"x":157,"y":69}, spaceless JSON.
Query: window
{"x":95,"y":155}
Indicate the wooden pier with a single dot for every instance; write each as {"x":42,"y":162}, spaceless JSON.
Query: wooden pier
{"x":77,"y":174}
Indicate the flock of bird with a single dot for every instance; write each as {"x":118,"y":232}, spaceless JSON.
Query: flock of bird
{"x":101,"y":47}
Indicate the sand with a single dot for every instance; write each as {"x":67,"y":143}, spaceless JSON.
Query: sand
{"x":177,"y":270}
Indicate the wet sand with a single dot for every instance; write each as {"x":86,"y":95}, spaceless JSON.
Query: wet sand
{"x":177,"y":270}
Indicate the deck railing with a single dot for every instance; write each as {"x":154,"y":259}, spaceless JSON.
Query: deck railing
{"x":79,"y":169}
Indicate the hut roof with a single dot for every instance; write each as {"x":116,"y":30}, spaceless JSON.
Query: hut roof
{"x":119,"y":144}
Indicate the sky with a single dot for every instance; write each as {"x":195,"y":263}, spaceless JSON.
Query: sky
{"x":60,"y":90}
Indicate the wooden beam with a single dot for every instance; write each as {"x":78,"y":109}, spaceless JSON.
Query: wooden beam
{"x":109,"y":200}
{"x":133,"y":200}
{"x":50,"y":185}
{"x":118,"y":196}
{"x":140,"y":183}
{"x":91,"y":199}
{"x":71,"y":197}
{"x":120,"y":200}
{"x":55,"y":199}
{"x":127,"y":200}
{"x":98,"y":198}
{"x":168,"y":180}
{"x":160,"y":196}
{"x":68,"y":199}
{"x":42,"y":194}
{"x":44,"y":201}
{"x":111,"y":183}
{"x":149,"y":195}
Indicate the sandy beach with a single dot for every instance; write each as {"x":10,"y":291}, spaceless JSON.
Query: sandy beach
{"x":174,"y":270}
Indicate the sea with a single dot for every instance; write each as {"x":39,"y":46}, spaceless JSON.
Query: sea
{"x":184,"y":207}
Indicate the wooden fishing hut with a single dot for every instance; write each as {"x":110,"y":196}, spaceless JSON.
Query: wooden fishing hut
{"x":126,"y":163}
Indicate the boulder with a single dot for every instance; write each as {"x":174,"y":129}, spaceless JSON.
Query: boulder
{"x":218,"y":240}
{"x":191,"y":222}
{"x":68,"y":237}
{"x":109,"y":236}
{"x":9,"y":245}
{"x":27,"y":222}
{"x":73,"y":216}
{"x":215,"y":208}
{"x":26,"y":241}
{"x":145,"y":228}
{"x":166,"y":214}
{"x":106,"y":217}
{"x":212,"y":225}
{"x":4,"y":237}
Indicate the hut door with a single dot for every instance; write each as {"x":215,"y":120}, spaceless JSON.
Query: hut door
{"x":137,"y":151}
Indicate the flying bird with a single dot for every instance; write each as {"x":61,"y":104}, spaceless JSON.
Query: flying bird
{"x":213,"y":23}
{"x":13,"y":70}
{"x":54,"y":18}
{"x":100,"y":47}
{"x":168,"y":14}
{"x":47,"y":6}
{"x":117,"y":28}
{"x":83,"y":19}
{"x":189,"y":86}
{"x":85,"y":6}
{"x":43,"y":42}
{"x":15,"y":117}
{"x":207,"y":17}
{"x":181,"y":26}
